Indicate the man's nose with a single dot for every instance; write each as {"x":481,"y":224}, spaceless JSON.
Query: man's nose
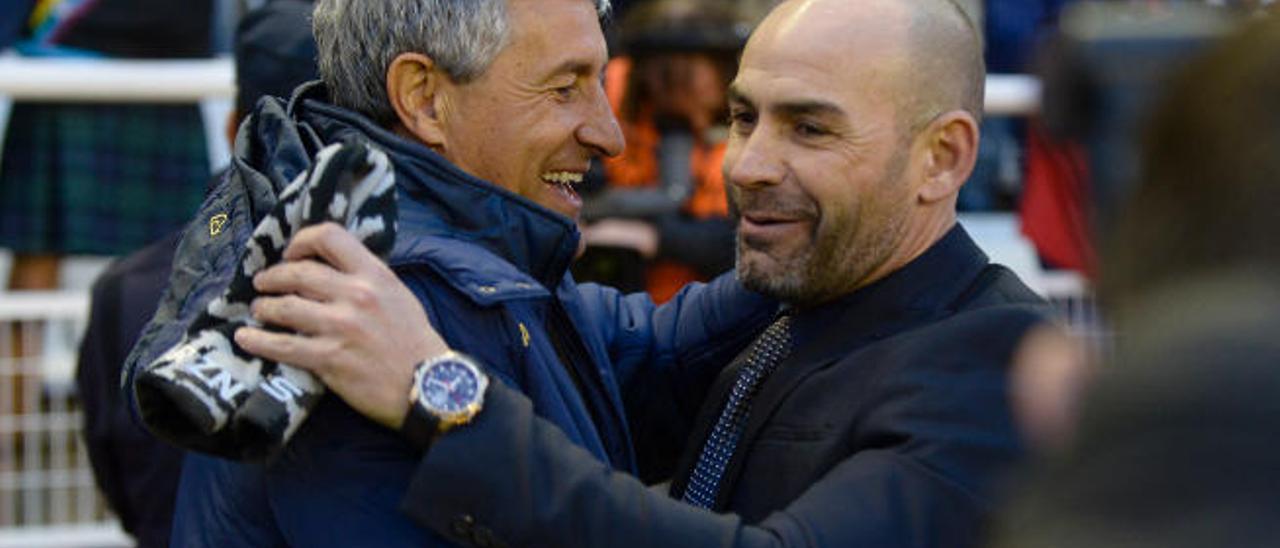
{"x":600,"y":131}
{"x":752,"y":161}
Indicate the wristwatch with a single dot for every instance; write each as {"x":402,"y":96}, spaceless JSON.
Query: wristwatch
{"x":448,"y":391}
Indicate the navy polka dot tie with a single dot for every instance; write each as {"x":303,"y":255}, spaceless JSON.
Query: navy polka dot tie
{"x":768,"y":351}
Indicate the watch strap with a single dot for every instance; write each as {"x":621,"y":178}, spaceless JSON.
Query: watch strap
{"x":420,"y":426}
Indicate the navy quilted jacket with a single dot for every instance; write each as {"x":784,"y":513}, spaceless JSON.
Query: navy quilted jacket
{"x":491,"y":270}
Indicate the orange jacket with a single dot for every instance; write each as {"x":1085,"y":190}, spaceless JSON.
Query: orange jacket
{"x":637,"y":167}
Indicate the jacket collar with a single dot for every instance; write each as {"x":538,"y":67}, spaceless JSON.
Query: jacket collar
{"x":927,"y":288}
{"x":437,"y":199}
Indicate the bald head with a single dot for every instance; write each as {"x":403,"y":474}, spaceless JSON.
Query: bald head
{"x":948,"y":71}
{"x":927,"y":53}
{"x":858,"y":118}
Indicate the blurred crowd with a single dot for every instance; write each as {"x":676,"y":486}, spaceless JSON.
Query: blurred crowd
{"x":1161,"y":193}
{"x":656,"y":216}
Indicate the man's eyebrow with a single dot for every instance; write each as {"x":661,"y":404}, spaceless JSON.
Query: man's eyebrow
{"x":808,"y":108}
{"x":790,"y":109}
{"x":735,"y":95}
{"x":574,"y":66}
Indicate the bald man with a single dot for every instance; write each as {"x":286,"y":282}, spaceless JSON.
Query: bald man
{"x":873,"y":412}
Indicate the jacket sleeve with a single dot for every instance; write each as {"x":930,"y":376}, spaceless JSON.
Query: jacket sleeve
{"x":702,"y":324}
{"x":920,"y":472}
{"x":530,"y":486}
{"x":512,"y":479}
{"x":666,"y":357}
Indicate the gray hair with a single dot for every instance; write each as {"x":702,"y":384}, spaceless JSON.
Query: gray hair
{"x":356,"y":41}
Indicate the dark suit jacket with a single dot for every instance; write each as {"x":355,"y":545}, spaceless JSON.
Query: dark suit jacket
{"x":887,"y":426}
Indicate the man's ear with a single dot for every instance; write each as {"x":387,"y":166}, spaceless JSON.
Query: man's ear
{"x":413,"y":87}
{"x":951,"y":149}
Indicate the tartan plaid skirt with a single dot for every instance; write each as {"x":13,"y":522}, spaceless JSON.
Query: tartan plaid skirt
{"x":99,"y":179}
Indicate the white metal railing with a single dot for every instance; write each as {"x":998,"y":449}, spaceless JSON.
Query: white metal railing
{"x":94,"y":535}
{"x":47,"y":493}
{"x":1012,"y":95}
{"x":117,"y":81}
{"x":43,"y":305}
{"x":198,"y":80}
{"x":210,"y":83}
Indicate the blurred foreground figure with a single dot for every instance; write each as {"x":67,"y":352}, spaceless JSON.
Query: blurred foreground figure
{"x":1177,"y":446}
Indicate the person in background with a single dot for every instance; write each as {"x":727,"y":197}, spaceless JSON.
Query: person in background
{"x":664,"y":195}
{"x":873,"y":411}
{"x":138,"y":474}
{"x":95,"y":178}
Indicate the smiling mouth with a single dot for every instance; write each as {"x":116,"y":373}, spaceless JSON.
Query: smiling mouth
{"x":564,"y":180}
{"x":762,"y":229}
{"x":565,"y":198}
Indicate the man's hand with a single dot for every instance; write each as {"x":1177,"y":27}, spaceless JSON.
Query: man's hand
{"x":358,"y":328}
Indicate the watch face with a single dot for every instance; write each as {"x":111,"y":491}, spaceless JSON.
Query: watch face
{"x":449,"y":387}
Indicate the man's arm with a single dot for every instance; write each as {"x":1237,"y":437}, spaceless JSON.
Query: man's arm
{"x":703,"y":325}
{"x":932,"y":437}
{"x":511,"y":478}
{"x":530,"y":486}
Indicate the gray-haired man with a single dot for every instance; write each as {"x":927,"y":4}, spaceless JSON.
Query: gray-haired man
{"x":491,"y":112}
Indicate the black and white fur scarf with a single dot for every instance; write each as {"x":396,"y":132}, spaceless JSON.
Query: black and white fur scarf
{"x":208,"y":394}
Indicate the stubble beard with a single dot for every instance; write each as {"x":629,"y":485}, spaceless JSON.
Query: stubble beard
{"x":833,"y":264}
{"x":784,"y":281}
